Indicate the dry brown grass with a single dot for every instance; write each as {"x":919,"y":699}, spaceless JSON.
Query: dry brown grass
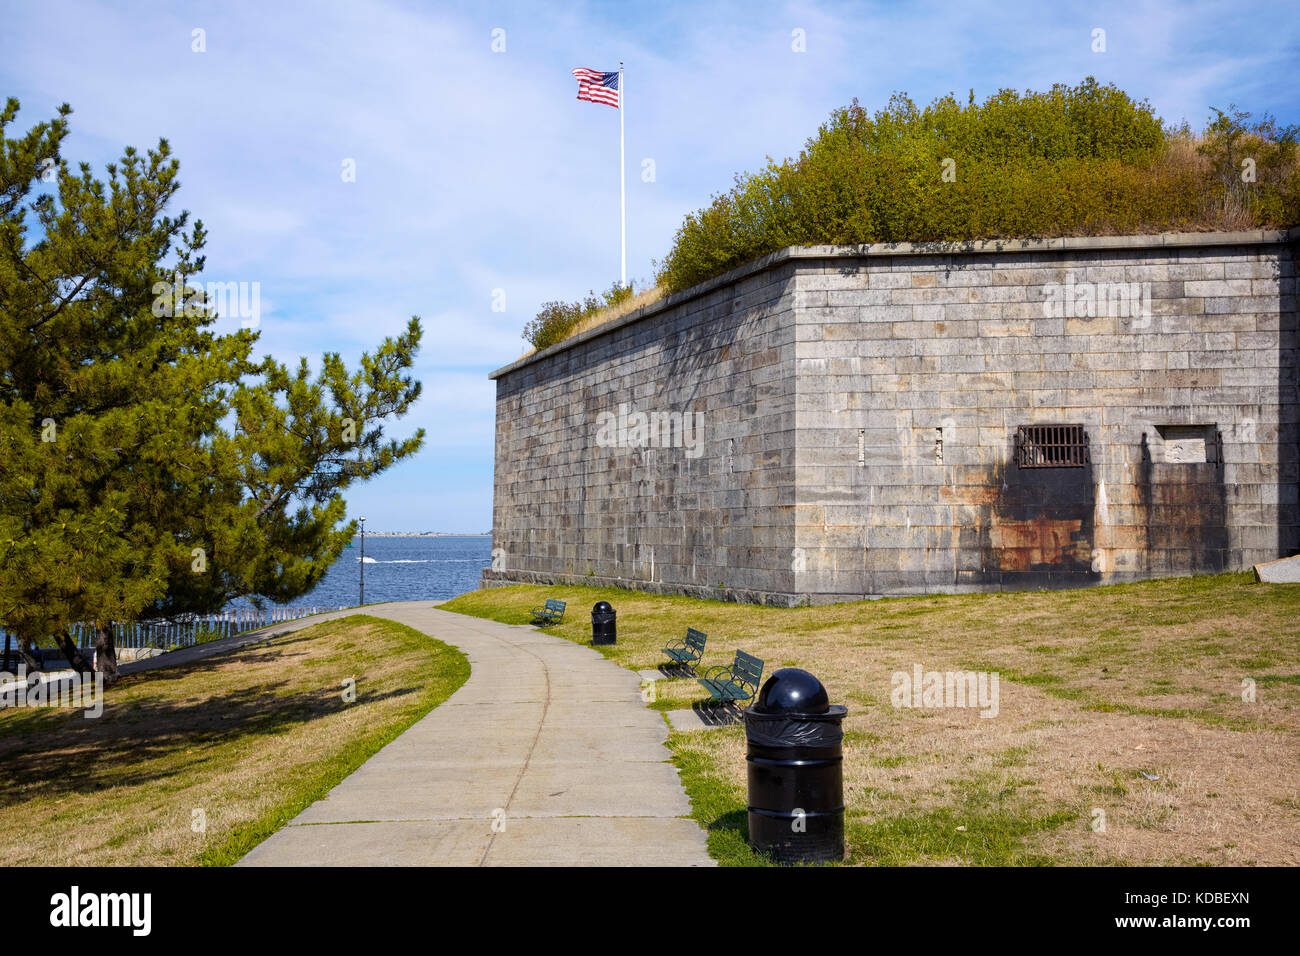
{"x":248,"y":737}
{"x":627,"y":306}
{"x":1097,"y":687}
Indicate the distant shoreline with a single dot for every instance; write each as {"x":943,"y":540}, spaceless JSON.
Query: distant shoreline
{"x":420,"y":534}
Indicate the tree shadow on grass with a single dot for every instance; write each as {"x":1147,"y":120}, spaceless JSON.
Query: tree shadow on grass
{"x":142,"y":740}
{"x":253,"y":654}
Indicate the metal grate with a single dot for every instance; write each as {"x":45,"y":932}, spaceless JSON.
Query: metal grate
{"x":1051,"y":446}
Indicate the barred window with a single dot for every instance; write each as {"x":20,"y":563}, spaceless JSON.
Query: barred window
{"x":1051,"y":446}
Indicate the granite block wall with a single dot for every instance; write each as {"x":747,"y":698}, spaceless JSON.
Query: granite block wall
{"x":699,"y":497}
{"x":858,"y":414}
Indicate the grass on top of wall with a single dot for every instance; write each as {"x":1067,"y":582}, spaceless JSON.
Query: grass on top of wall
{"x":1083,"y":160}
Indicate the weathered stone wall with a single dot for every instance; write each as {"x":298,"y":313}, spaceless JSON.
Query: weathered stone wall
{"x":914,"y":373}
{"x":860,"y":410}
{"x":685,"y":512}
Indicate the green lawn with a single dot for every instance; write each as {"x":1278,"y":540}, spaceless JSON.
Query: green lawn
{"x":198,"y":763}
{"x":1101,"y":690}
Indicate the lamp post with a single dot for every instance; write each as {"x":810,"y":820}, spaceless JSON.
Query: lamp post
{"x":363,"y":562}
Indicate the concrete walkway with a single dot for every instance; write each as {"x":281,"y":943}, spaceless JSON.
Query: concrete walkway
{"x":546,"y":756}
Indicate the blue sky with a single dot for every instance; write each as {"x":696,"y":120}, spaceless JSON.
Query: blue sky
{"x":479,"y":170}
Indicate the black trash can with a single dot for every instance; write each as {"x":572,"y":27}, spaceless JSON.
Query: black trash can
{"x":604,"y":629}
{"x":794,"y":756}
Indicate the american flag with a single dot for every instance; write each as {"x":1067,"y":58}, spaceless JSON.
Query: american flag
{"x":597,"y":87}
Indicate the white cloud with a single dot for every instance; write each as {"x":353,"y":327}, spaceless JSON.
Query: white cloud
{"x":478,"y":171}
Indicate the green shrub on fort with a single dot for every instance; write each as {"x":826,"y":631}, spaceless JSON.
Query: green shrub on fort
{"x":1083,"y":160}
{"x":557,"y":320}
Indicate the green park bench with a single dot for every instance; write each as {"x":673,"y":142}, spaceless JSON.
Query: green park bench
{"x":734,"y":683}
{"x":552,"y":612}
{"x":686,"y":652}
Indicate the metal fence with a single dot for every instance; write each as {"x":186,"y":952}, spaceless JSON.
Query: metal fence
{"x":187,"y":630}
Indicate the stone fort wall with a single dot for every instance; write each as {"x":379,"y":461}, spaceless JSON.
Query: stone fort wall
{"x":833,"y":423}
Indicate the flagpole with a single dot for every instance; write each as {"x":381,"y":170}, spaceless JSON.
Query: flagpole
{"x":622,"y":171}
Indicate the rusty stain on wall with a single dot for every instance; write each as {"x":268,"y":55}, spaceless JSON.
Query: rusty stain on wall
{"x":1036,"y":527}
{"x":1184,"y":512}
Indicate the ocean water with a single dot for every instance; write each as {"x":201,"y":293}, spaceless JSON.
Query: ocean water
{"x":397,"y":569}
{"x":403,"y":569}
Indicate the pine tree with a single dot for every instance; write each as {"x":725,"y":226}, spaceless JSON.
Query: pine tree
{"x":149,"y":467}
